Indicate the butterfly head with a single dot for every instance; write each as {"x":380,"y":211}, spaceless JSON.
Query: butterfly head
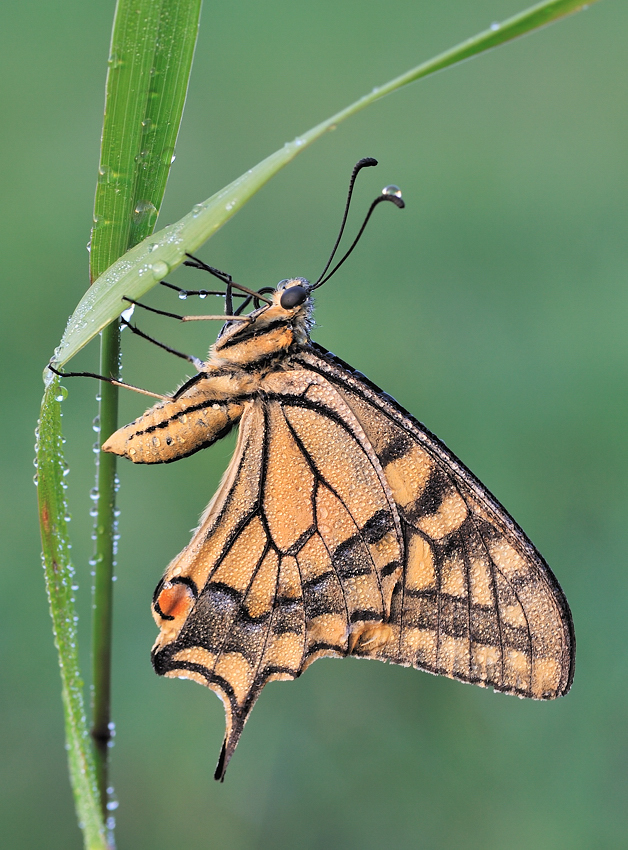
{"x":282,"y":323}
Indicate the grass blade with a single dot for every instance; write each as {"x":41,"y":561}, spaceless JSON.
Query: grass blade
{"x":59,"y":576}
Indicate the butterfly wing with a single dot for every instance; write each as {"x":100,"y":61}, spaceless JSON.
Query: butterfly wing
{"x":343,"y":527}
{"x":477,"y":602}
{"x":296,"y":557}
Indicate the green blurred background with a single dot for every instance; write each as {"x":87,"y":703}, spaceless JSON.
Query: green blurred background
{"x":494,"y":308}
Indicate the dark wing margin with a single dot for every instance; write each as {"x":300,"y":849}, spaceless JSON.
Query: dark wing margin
{"x":477,"y":602}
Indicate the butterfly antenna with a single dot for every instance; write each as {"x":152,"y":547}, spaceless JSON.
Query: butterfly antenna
{"x":389,"y":193}
{"x":363,"y":163}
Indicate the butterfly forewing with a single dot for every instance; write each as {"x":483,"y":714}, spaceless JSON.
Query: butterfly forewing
{"x":476,"y":602}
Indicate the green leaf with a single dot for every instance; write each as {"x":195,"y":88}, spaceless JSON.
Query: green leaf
{"x":59,"y":575}
{"x":150,"y":261}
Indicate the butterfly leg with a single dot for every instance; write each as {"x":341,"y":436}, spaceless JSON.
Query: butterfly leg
{"x":108,"y":381}
{"x":195,"y":361}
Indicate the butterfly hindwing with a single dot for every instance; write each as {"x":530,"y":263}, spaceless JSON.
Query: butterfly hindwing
{"x":297,"y":557}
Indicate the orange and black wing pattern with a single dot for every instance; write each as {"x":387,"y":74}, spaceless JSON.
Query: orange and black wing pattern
{"x":296,"y":557}
{"x":342,"y":527}
{"x":476,"y":602}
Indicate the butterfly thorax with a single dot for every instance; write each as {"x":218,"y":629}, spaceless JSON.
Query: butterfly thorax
{"x":271,"y":330}
{"x":209,"y":405}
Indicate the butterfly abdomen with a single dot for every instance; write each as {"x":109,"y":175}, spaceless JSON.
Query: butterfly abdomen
{"x":177,"y":428}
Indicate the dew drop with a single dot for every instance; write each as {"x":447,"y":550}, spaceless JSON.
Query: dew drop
{"x":147,"y":125}
{"x":143,"y":210}
{"x":495,"y":26}
{"x":62,"y":394}
{"x":183,"y":294}
{"x":142,"y":156}
{"x":197,"y":209}
{"x":392,"y":190}
{"x":105,"y":174}
{"x":202,"y":294}
{"x":159,"y":269}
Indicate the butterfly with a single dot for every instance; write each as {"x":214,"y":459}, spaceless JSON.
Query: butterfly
{"x":342,"y":527}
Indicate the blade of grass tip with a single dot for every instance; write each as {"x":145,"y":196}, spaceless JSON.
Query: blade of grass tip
{"x":150,"y":60}
{"x":60,"y":587}
{"x":142,"y":267}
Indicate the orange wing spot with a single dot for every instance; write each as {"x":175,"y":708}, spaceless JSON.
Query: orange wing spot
{"x":175,"y":600}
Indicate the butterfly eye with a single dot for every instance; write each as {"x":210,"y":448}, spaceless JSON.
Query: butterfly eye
{"x":293,"y":297}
